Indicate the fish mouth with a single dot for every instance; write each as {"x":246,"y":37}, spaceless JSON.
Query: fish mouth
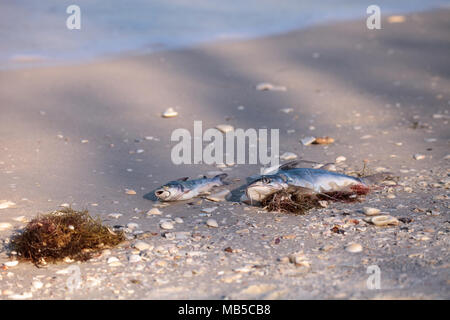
{"x":162,"y":194}
{"x":259,"y":193}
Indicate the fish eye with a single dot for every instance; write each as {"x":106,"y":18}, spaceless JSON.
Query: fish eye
{"x":166,"y":187}
{"x":265,"y":180}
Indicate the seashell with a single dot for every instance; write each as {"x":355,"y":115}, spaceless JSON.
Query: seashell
{"x":354,"y":248}
{"x":265,"y":86}
{"x":323,"y":140}
{"x":340,"y":159}
{"x":371,"y":211}
{"x":169,"y":113}
{"x":307,"y":141}
{"x":212,"y":223}
{"x":384,"y":220}
{"x":288,"y":156}
{"x":154,"y":211}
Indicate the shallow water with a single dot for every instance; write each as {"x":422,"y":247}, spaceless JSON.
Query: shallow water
{"x":35,"y":32}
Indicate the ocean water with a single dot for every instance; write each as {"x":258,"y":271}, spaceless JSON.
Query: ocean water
{"x":34,"y":32}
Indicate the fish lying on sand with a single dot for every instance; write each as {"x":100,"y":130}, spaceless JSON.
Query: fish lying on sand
{"x":184,"y":189}
{"x":308,"y":181}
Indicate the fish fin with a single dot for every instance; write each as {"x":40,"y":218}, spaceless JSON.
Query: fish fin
{"x":378,"y":177}
{"x":220,"y":178}
{"x":289,"y":165}
{"x":182,"y":179}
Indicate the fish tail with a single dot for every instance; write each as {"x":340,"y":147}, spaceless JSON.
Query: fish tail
{"x":220,"y":179}
{"x":377,"y":177}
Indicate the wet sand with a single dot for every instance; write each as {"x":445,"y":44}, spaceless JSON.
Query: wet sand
{"x":71,"y":135}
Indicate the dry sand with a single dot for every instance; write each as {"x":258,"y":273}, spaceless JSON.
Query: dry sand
{"x":70,"y":134}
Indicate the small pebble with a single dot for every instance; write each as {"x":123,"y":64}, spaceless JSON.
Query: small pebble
{"x":130,"y":191}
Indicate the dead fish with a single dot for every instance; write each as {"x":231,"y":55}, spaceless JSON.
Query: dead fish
{"x":308,"y":181}
{"x":184,"y":189}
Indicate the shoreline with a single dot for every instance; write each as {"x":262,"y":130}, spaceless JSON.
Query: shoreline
{"x":22,"y":60}
{"x":71,"y":135}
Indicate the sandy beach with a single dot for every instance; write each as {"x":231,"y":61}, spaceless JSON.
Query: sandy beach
{"x":84,"y":134}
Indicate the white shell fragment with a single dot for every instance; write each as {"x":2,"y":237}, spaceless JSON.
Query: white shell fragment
{"x":354,"y":248}
{"x":340,"y":159}
{"x":368,"y":211}
{"x":166,"y":225}
{"x":4,"y":204}
{"x":265,"y":86}
{"x":418,"y":156}
{"x":154,"y":211}
{"x":142,"y":246}
{"x":5,"y":226}
{"x":307,"y":141}
{"x":212,"y":223}
{"x":225,"y":128}
{"x":288,"y":156}
{"x":169,"y":113}
{"x":12,"y":263}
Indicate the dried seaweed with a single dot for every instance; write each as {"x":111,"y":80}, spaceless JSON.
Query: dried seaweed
{"x":63,"y":234}
{"x":300,"y":203}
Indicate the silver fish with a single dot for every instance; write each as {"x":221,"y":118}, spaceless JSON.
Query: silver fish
{"x":306,"y":180}
{"x":184,"y":189}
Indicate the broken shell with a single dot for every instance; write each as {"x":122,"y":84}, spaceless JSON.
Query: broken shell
{"x":169,"y":113}
{"x":154,"y":211}
{"x":5,"y":226}
{"x":166,"y":225}
{"x":4,"y":204}
{"x":288,"y":156}
{"x":384,"y":220}
{"x":307,"y":141}
{"x":130,"y":191}
{"x":265,"y":86}
{"x":323,"y":140}
{"x":340,"y":159}
{"x":212,"y":223}
{"x":418,"y":156}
